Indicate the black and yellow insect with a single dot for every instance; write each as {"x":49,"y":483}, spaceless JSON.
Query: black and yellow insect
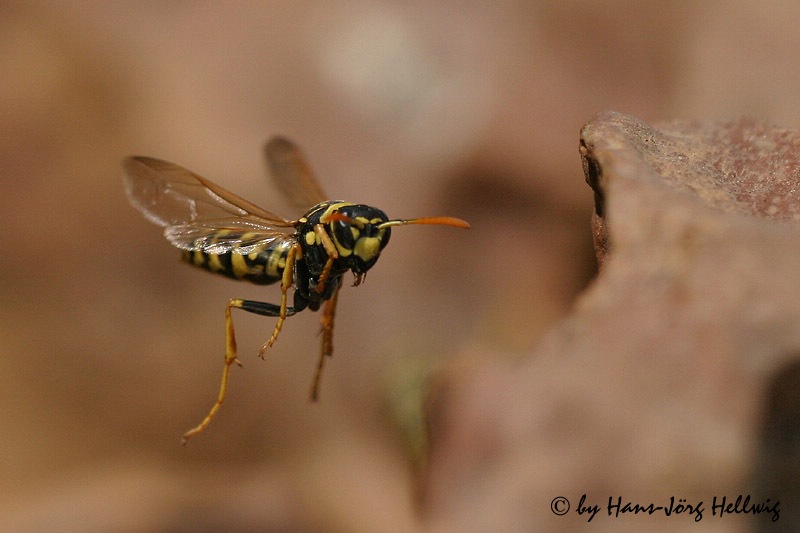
{"x":223,"y":233}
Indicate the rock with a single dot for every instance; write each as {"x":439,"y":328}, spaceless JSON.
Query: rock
{"x":675,"y":375}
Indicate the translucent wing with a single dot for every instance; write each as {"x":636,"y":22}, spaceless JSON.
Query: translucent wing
{"x":196,"y":213}
{"x":292,"y":173}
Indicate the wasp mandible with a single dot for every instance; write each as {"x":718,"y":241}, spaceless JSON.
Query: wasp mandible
{"x":226,"y":234}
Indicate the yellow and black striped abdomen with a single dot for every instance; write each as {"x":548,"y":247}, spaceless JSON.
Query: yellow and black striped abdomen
{"x":262,"y":267}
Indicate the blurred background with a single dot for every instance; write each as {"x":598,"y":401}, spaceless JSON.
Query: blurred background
{"x":111,"y":348}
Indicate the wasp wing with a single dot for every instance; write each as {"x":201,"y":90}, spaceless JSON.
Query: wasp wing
{"x":196,"y":213}
{"x":292,"y":174}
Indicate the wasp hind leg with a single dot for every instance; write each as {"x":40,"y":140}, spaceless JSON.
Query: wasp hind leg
{"x":260,"y":308}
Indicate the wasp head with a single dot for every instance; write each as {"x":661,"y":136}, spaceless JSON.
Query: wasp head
{"x":358,"y":235}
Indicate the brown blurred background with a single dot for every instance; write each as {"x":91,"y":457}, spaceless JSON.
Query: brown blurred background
{"x":111,"y":348}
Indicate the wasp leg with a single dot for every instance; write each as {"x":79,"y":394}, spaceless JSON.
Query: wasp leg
{"x":230,"y":358}
{"x":286,"y":282}
{"x":259,"y":308}
{"x":266,"y":309}
{"x":326,"y":350}
{"x":333,"y":255}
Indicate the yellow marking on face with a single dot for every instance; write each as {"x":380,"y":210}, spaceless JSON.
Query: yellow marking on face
{"x":367,"y":248}
{"x":343,"y":252}
{"x":361,"y":222}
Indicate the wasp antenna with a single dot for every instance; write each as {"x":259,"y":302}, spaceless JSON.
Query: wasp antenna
{"x":339,"y":217}
{"x":441,"y":221}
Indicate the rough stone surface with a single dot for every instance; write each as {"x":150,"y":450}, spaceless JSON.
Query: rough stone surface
{"x":669,"y":378}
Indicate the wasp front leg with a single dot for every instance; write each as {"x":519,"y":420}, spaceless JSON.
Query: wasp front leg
{"x":326,"y":349}
{"x":333,"y":255}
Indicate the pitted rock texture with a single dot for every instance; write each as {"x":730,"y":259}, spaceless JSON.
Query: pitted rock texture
{"x":670,"y":376}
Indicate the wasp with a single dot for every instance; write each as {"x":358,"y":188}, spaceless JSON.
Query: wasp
{"x":225,"y":234}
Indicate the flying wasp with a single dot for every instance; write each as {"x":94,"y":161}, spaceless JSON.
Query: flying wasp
{"x":226,"y":234}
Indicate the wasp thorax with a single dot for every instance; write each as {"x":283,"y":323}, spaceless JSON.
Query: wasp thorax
{"x":357,"y":236}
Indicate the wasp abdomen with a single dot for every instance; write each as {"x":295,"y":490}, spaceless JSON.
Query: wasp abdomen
{"x":262,"y":267}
